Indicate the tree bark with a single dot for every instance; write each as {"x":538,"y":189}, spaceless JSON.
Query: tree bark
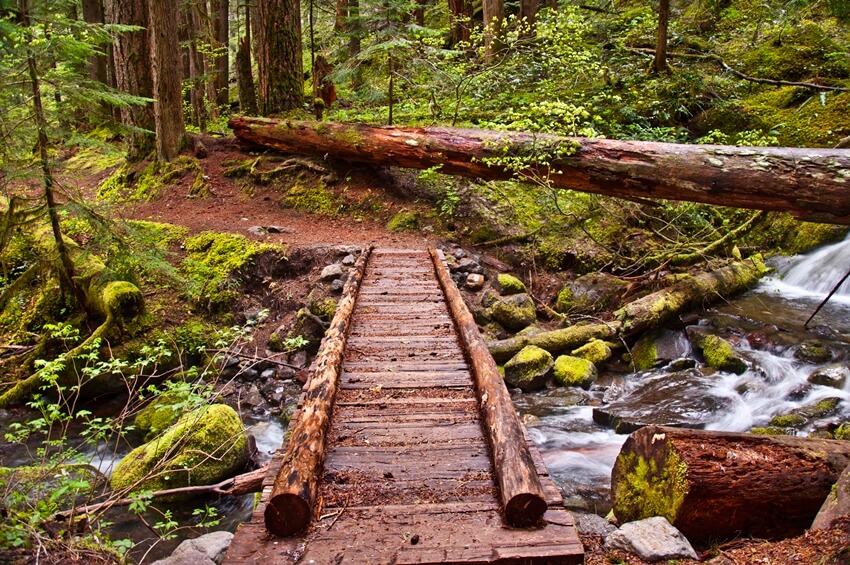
{"x":220,"y":12}
{"x":809,"y":183}
{"x":290,"y":506}
{"x":719,"y":485}
{"x":133,"y":75}
{"x":245,"y":78}
{"x":196,"y":70}
{"x":522,"y":495}
{"x":281,"y":68}
{"x":167,"y":79}
{"x":659,"y":63}
{"x":93,"y":14}
{"x":494,"y":15}
{"x":528,"y":12}
{"x":460,"y":16}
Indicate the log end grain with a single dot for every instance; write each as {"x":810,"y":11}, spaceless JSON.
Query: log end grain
{"x":525,"y":509}
{"x":287,"y":514}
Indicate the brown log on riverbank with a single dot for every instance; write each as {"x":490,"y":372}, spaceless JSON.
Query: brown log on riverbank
{"x":720,"y":485}
{"x":519,"y":486}
{"x":811,"y":184}
{"x":290,"y":506}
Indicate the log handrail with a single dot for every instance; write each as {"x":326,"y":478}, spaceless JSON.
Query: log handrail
{"x":521,"y":493}
{"x":290,"y":506}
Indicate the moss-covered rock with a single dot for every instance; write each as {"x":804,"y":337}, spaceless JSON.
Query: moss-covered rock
{"x":813,"y":351}
{"x":64,"y":485}
{"x":720,"y":354}
{"x":820,"y":409}
{"x":514,"y":312}
{"x":204,"y":447}
{"x":596,"y":351}
{"x":574,"y":371}
{"x":529,"y":369}
{"x":324,"y":308}
{"x":314,"y":198}
{"x":403,"y":221}
{"x":769,"y":431}
{"x":158,"y":415}
{"x":589,"y":293}
{"x":509,"y":284}
{"x":842,"y":432}
{"x":788,"y":421}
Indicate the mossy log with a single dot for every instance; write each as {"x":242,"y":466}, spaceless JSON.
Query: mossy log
{"x":522,"y":495}
{"x":720,"y":485}
{"x":809,"y":183}
{"x":555,"y":342}
{"x":290,"y":506}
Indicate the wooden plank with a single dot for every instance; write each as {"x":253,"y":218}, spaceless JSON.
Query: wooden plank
{"x":422,"y":379}
{"x":404,"y":365}
{"x":411,"y":462}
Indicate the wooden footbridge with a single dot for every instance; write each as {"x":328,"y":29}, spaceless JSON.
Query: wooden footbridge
{"x":405,"y":448}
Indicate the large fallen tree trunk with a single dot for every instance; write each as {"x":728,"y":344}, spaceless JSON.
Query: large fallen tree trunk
{"x":811,"y":184}
{"x":720,"y":485}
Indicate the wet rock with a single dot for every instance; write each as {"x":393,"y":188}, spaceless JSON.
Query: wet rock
{"x":514,"y":312}
{"x":308,"y":326}
{"x":347,"y":250}
{"x":682,"y":364}
{"x":836,"y":505}
{"x":230,"y":367}
{"x":787,"y":421}
{"x":589,"y":293}
{"x":248,"y":373}
{"x":298,"y":359}
{"x":268,"y":374}
{"x":835,"y":376}
{"x":489,"y":298}
{"x":337,"y":285}
{"x":719,"y":354}
{"x":596,"y":351}
{"x":348,"y":260}
{"x":659,"y":347}
{"x":529,"y":369}
{"x":458,"y":253}
{"x":759,"y":340}
{"x":252,"y":397}
{"x":333,"y":271}
{"x":799,"y":392}
{"x":682,"y":399}
{"x":208,"y":549}
{"x":593,"y":524}
{"x":509,"y":284}
{"x":820,"y":409}
{"x":474,"y":281}
{"x":574,"y":371}
{"x":813,"y":351}
{"x":468,"y":265}
{"x":653,"y":539}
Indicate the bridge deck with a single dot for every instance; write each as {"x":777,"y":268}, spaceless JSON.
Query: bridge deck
{"x":408,"y":478}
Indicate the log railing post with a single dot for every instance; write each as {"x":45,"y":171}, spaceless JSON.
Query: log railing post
{"x":519,"y":485}
{"x":290,"y":506}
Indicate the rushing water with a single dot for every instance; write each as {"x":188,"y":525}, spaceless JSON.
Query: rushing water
{"x":580,"y":453}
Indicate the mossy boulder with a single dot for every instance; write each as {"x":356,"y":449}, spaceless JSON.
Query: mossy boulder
{"x":820,"y":409}
{"x":769,"y":431}
{"x":657,"y":347}
{"x":509,"y":284}
{"x":719,"y":354}
{"x":596,"y":351}
{"x":404,"y":220}
{"x":813,"y":351}
{"x":574,"y":371}
{"x":324,"y":308}
{"x":589,"y":293}
{"x":513,"y":312}
{"x":203,"y":447}
{"x":835,"y":376}
{"x":529,"y":369}
{"x":158,"y":415}
{"x":788,"y":421}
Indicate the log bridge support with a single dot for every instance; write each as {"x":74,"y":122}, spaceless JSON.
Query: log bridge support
{"x":406,"y":447}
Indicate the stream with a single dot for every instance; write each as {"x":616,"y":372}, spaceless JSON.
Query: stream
{"x":766,"y":327}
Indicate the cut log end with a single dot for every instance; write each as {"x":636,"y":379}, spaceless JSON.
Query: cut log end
{"x":287,"y":514}
{"x":525,"y":509}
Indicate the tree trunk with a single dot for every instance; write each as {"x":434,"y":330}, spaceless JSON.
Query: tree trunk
{"x":519,"y":486}
{"x":281,"y":70}
{"x":133,"y":73}
{"x":93,"y":14}
{"x":528,"y":11}
{"x":290,"y":506}
{"x":196,"y":71}
{"x":494,"y":15}
{"x":721,"y":485}
{"x":220,"y":12}
{"x":809,"y":183}
{"x":659,"y":64}
{"x":167,"y":79}
{"x":245,"y":79}
{"x":460,"y":15}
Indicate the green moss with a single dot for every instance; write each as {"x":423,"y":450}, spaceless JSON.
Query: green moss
{"x":787,"y":421}
{"x":769,"y":431}
{"x":644,"y":354}
{"x":529,"y":368}
{"x":648,"y":488}
{"x":158,"y":415}
{"x":513,"y":312}
{"x":574,"y":371}
{"x":797,"y":52}
{"x":720,"y":354}
{"x":596,"y":351}
{"x":813,"y":351}
{"x":316,"y":199}
{"x":820,"y":409}
{"x":324,"y":308}
{"x":509,"y":284}
{"x":564,"y":300}
{"x":204,"y":446}
{"x":130,"y":184}
{"x":155,"y":232}
{"x":843,"y":432}
{"x":404,"y":220}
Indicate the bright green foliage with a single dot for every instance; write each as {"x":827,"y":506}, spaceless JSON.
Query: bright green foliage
{"x":596,"y":351}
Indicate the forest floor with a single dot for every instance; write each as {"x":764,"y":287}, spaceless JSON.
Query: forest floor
{"x":232,"y":207}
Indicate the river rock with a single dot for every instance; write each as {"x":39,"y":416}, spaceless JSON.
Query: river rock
{"x":204,"y":447}
{"x":835,"y":376}
{"x":652,"y":539}
{"x":508,"y":284}
{"x":474,"y":281}
{"x":659,"y":347}
{"x":813,"y":351}
{"x":349,"y":260}
{"x":837,"y":503}
{"x":719,"y":354}
{"x":333,"y":271}
{"x":529,"y":369}
{"x":514,"y":312}
{"x":159,"y":414}
{"x":589,"y":293}
{"x":574,"y":371}
{"x":590,"y":524}
{"x":208,"y":549}
{"x":682,"y":399}
{"x":596,"y":351}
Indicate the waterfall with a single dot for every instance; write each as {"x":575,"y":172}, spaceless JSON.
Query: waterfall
{"x":814,"y":275}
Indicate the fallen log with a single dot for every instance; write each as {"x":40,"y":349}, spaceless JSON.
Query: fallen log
{"x":809,"y":183}
{"x":555,"y":342}
{"x":290,"y":506}
{"x":720,"y":485}
{"x":522,"y":495}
